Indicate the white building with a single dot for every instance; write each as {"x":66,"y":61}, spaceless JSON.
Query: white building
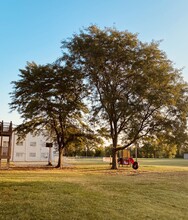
{"x":33,"y":148}
{"x":185,"y":156}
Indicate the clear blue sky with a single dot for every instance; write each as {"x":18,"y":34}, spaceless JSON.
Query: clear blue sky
{"x":32,"y":30}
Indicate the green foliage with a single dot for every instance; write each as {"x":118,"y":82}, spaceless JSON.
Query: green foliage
{"x":135,"y":90}
{"x":108,"y":151}
{"x":158,"y":148}
{"x":99,"y":152}
{"x":84,"y":145}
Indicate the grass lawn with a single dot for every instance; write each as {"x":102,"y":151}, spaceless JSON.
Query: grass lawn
{"x":90,"y":190}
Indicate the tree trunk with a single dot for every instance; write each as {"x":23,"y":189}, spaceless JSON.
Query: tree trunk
{"x":114,"y":153}
{"x":114,"y":160}
{"x":60,"y":160}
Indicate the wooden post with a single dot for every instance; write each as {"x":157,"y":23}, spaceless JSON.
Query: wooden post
{"x":6,"y":131}
{"x":50,"y":157}
{"x":1,"y":143}
{"x":49,"y":145}
{"x":9,"y":145}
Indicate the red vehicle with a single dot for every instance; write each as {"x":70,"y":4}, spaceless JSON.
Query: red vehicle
{"x":128,"y":161}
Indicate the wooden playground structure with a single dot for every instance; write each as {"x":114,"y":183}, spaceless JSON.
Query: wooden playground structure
{"x":5,"y":142}
{"x":124,"y":158}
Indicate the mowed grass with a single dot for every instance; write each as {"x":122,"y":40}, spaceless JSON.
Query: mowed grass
{"x":89,"y":189}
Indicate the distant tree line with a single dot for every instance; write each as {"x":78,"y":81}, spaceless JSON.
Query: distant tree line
{"x":148,"y":150}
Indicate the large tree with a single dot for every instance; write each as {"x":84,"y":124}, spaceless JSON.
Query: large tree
{"x":50,"y":97}
{"x":136,"y":91}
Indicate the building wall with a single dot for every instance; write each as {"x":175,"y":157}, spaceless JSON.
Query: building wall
{"x":33,"y":148}
{"x":185,"y":155}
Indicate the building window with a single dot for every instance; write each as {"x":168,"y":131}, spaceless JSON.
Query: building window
{"x":19,"y":154}
{"x":33,"y":144}
{"x":5,"y":143}
{"x":32,"y":154}
{"x":44,"y":155}
{"x":4,"y":151}
{"x":19,"y":144}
